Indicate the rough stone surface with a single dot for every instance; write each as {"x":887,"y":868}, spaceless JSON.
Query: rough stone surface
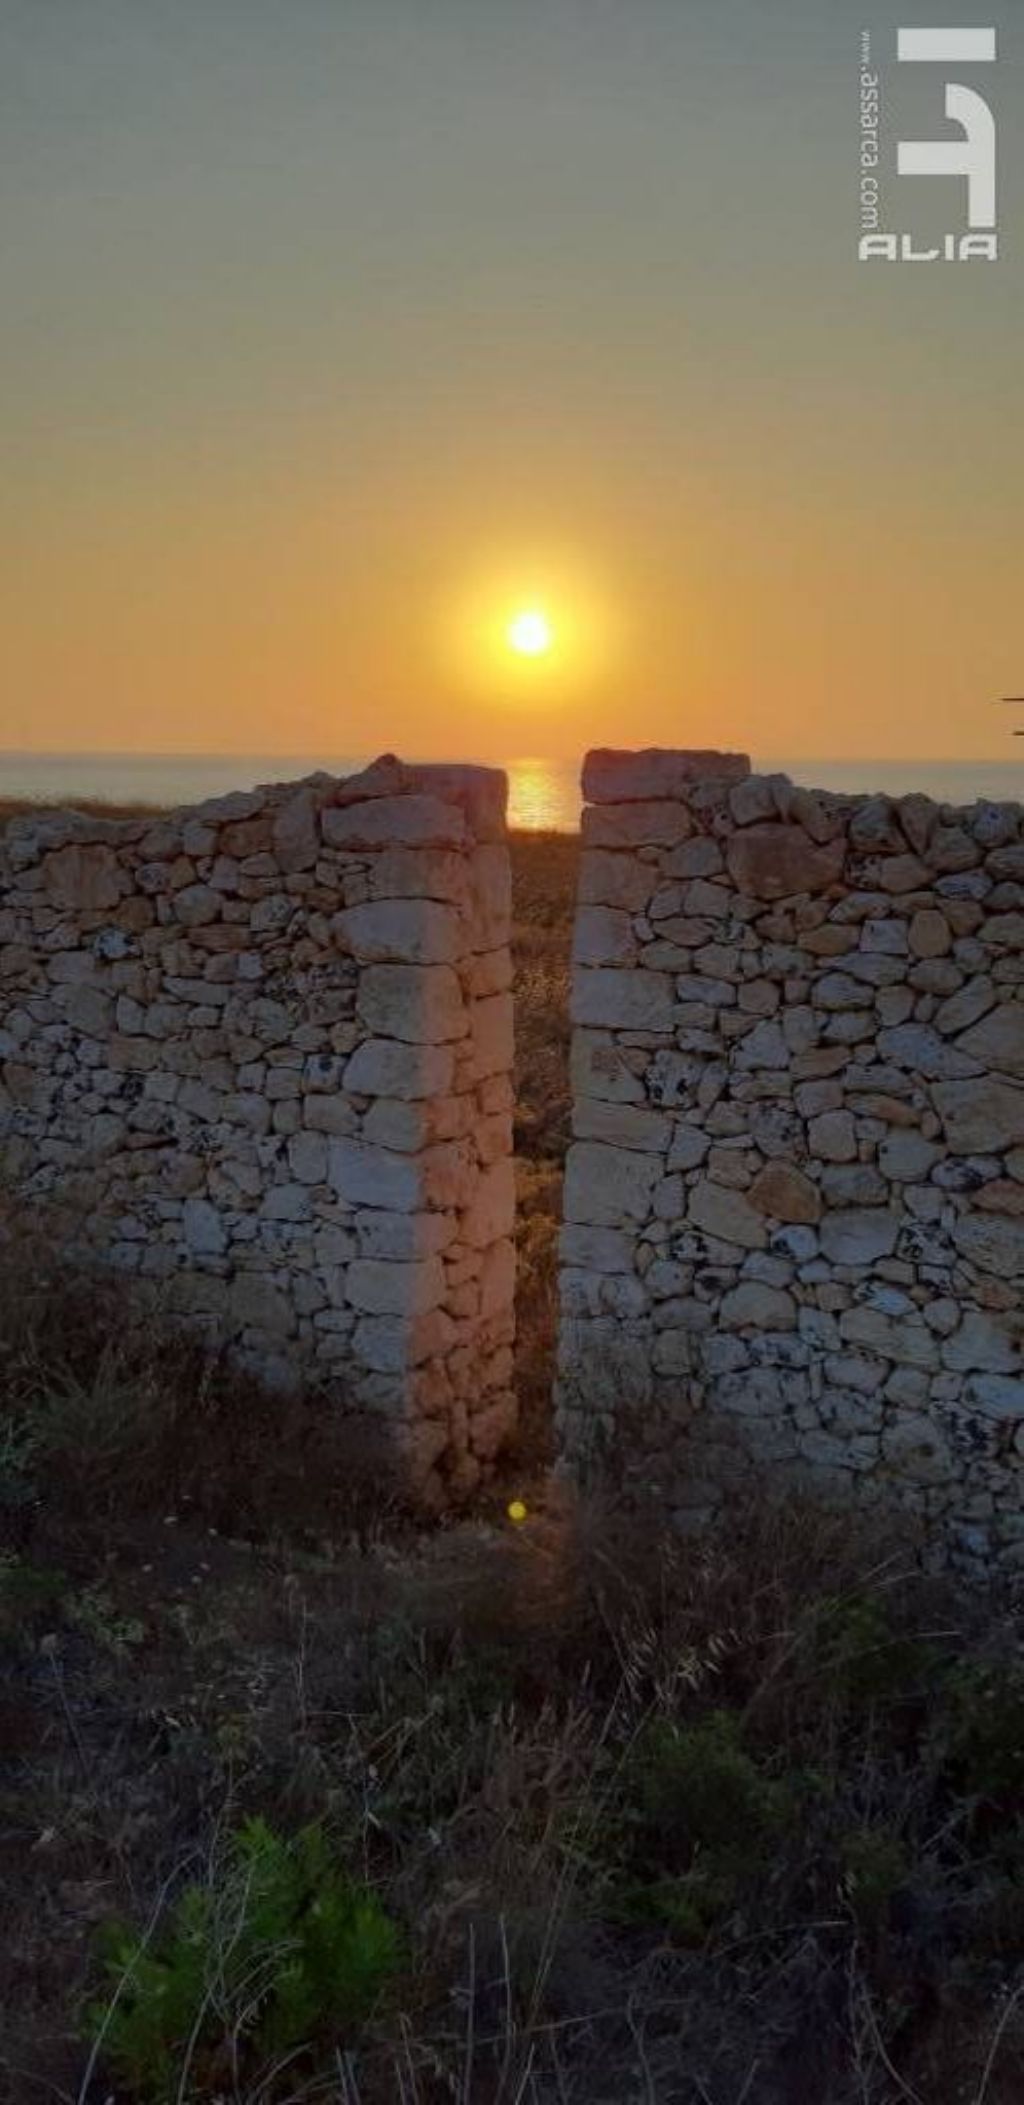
{"x":796,"y":1206}
{"x":257,"y":1055}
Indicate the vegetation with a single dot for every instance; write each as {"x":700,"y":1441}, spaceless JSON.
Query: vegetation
{"x":298,"y":1801}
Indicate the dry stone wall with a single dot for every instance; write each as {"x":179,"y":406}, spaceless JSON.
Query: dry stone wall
{"x":794,"y":1211}
{"x":260,"y":1052}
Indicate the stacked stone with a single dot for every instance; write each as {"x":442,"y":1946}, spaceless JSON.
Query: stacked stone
{"x":795,"y":1199}
{"x":260,"y":1051}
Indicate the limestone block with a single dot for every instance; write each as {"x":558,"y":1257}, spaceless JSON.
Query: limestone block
{"x":599,"y":1068}
{"x":930,"y":934}
{"x":614,"y":879}
{"x":382,"y":822}
{"x":992,"y":1243}
{"x":917,"y":1047}
{"x":402,"y":1236}
{"x":481,"y":794}
{"x":907,"y":1158}
{"x":85,"y":879}
{"x":379,"y":1286}
{"x":895,"y":1338}
{"x":596,"y":1249}
{"x":399,"y":931}
{"x":776,"y":861}
{"x":984,"y":1344}
{"x":491,"y":1036}
{"x":603,"y":935}
{"x":488,"y":916}
{"x":498,"y":1278}
{"x":203,"y":1228}
{"x":979,"y":1116}
{"x":420,"y":873}
{"x":833,"y":1136}
{"x":611,"y":777}
{"x":608,"y":1185}
{"x":998,"y":1396}
{"x":753,"y":1305}
{"x":365,"y":1175}
{"x":616,"y":999}
{"x":782,"y":1190}
{"x":966,"y":1006}
{"x":998,"y":1040}
{"x":196,"y":905}
{"x":858,"y":1236}
{"x":490,"y":1214}
{"x":623,"y":1125}
{"x":727,"y":1215}
{"x":296,"y":834}
{"x":662,"y":824}
{"x":421,"y":1004}
{"x":390,"y":1067}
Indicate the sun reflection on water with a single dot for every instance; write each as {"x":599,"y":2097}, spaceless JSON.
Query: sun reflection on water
{"x":543,"y":793}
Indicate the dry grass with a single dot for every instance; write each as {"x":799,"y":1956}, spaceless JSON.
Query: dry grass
{"x":655,"y":1820}
{"x":735,"y":1822}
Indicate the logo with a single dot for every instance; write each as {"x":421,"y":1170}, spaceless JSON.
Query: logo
{"x":971,"y":155}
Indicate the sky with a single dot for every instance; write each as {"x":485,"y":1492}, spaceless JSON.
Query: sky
{"x":337,"y":332}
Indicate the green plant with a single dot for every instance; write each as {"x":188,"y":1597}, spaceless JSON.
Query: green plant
{"x":19,"y":1447}
{"x":862,"y":1658}
{"x":700,"y":1815}
{"x":94,"y":1611}
{"x":874,"y":1866}
{"x":277,"y":1949}
{"x":983,"y":1729}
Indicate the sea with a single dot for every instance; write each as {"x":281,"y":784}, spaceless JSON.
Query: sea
{"x":543,"y":793}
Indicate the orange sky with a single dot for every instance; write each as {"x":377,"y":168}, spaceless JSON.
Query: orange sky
{"x":337,"y":332}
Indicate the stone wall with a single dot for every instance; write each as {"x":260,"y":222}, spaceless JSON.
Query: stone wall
{"x":260,"y":1052}
{"x":795,"y":1200}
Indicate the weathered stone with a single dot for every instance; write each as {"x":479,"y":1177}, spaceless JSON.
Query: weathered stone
{"x":603,"y":935}
{"x":629,"y":778}
{"x":415,"y":822}
{"x":663,"y":823}
{"x":998,"y":1040}
{"x":624,"y":1125}
{"x":85,"y":879}
{"x":399,"y":931}
{"x":608,"y":1185}
{"x":833,"y":1136}
{"x":993,"y":1243}
{"x":391,"y":1067}
{"x":858,"y":1237}
{"x":419,"y":1003}
{"x":908,"y":1157}
{"x":726,"y":1214}
{"x":980,"y":1115}
{"x":930,"y":933}
{"x":751,"y":1305}
{"x":637,"y":1001}
{"x":295,"y":834}
{"x":778,"y":861}
{"x":966,"y":1006}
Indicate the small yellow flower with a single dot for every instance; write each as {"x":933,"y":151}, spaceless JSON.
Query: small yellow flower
{"x":517,"y":1512}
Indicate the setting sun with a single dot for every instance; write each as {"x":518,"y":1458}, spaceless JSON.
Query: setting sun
{"x":530,"y":633}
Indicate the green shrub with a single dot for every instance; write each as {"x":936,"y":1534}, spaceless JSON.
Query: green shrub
{"x":701,"y":1790}
{"x":279,"y":1949}
{"x":863,"y":1660}
{"x":874,"y":1867}
{"x":983,"y":1730}
{"x":700,"y":1816}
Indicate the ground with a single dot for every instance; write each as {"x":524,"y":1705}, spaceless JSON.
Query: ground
{"x":596,"y":1815}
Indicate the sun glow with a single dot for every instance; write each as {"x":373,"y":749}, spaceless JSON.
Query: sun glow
{"x":530,"y":633}
{"x":535,"y":631}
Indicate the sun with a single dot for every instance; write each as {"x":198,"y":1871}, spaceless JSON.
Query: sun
{"x":530,"y":633}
